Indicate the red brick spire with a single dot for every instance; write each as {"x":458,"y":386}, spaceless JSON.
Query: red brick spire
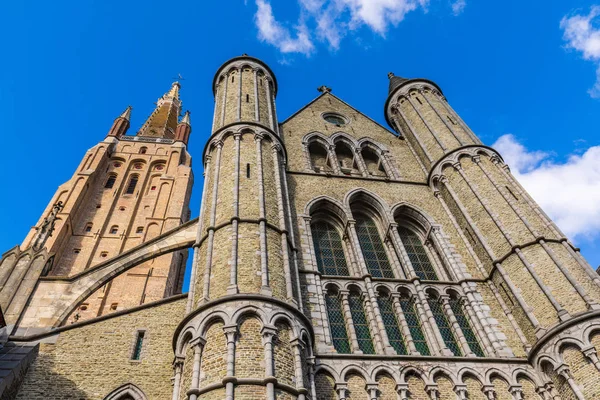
{"x":163,"y":121}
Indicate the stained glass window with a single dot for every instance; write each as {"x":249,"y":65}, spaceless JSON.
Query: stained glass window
{"x":361,"y":324}
{"x":337,"y":325}
{"x":417,"y":254}
{"x":444,"y":326}
{"x":465,"y":327}
{"x":390,"y":322}
{"x":328,"y":249}
{"x":414,"y":324}
{"x":372,"y":248}
{"x":139,"y":341}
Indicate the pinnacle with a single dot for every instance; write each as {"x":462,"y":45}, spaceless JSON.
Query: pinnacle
{"x":126,"y":114}
{"x":186,"y":119}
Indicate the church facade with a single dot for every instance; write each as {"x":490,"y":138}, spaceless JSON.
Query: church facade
{"x":333,"y":258}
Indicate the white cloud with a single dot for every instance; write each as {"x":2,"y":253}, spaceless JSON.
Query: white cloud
{"x":331,"y":20}
{"x":582,"y":34}
{"x":458,"y":7}
{"x":569,"y":192}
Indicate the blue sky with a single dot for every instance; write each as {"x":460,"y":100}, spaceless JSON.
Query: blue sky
{"x":521,"y":74}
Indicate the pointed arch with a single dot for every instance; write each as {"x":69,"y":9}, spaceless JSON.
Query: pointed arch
{"x":126,"y":392}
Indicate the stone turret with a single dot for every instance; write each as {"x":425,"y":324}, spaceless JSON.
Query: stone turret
{"x":244,"y":291}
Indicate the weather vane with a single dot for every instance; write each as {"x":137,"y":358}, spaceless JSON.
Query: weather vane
{"x":179,"y":78}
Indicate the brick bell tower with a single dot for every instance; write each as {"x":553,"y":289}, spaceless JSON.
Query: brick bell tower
{"x":126,"y":191}
{"x":530,"y":263}
{"x":244,"y":335}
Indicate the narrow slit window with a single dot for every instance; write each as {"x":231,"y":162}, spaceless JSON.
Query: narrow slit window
{"x":232,"y":79}
{"x":110,"y":182}
{"x":451,"y":120}
{"x":140,"y":229}
{"x":419,"y":100}
{"x":247,"y":98}
{"x":247,"y":170}
{"x":132,"y":184}
{"x":139,"y":343}
{"x":512,"y":193}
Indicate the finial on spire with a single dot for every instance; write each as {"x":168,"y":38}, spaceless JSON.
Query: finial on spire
{"x":127,"y":113}
{"x":391,"y":75}
{"x":174,"y":91}
{"x":186,"y":118}
{"x":324,"y":89}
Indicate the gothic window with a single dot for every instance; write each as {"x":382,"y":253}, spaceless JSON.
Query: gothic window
{"x":345,"y":157}
{"x":372,"y":248}
{"x":373,"y":162}
{"x":139,"y":342}
{"x":337,"y":324}
{"x":110,"y":182}
{"x":444,"y":325}
{"x":417,"y":254}
{"x":319,"y":158}
{"x":132,"y":184}
{"x":465,"y":327}
{"x":407,"y":302}
{"x":361,"y":323}
{"x":328,"y":249}
{"x":390,"y":321}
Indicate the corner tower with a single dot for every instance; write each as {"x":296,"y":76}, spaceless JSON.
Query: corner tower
{"x":245,"y":335}
{"x":526,"y":258}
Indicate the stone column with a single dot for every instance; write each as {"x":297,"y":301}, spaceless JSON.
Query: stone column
{"x":298,"y":372}
{"x":591,"y":354}
{"x":335,"y":165}
{"x":224,"y":101}
{"x":445,"y":299}
{"x":410,"y":343}
{"x":372,"y":390}
{"x":230,"y":335}
{"x":341,"y":388}
{"x":311,"y":377}
{"x":198,"y":345}
{"x":178,"y":369}
{"x":461,"y":392}
{"x":360,"y":163}
{"x":349,"y":323}
{"x":423,"y":93}
{"x":433,"y":391}
{"x":564,"y":371}
{"x":268,"y":332}
{"x":399,"y":246}
{"x":402,"y":390}
{"x":272,"y":119}
{"x":351,"y":230}
{"x":543,"y":393}
{"x":489,"y":392}
{"x":233,"y":288}
{"x":239,"y":97}
{"x":264,"y":266}
{"x":413,"y":130}
{"x":462,"y":124}
{"x":516,"y":391}
{"x":380,"y":333}
{"x":256,"y":102}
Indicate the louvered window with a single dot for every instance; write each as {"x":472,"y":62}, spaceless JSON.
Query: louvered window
{"x":361,"y":324}
{"x":414,"y":324}
{"x":328,"y":250}
{"x":444,"y":326}
{"x":465,"y":327}
{"x":132,"y":184}
{"x":417,"y":255}
{"x":337,"y":324}
{"x":372,"y":248}
{"x":390,"y":321}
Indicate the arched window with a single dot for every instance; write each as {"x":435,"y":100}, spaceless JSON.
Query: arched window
{"x":372,"y":248}
{"x":345,"y":157}
{"x":328,"y":249}
{"x":417,"y":254}
{"x":132,"y":184}
{"x":390,"y":321}
{"x":319,"y":158}
{"x":444,"y":325}
{"x":465,"y":327}
{"x":143,"y":150}
{"x":373,"y":162}
{"x":361,"y":323}
{"x":114,"y":229}
{"x":110,"y":182}
{"x":337,"y":324}
{"x":407,"y":302}
{"x":88,"y":227}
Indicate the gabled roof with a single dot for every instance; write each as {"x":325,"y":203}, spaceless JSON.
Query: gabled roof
{"x":328,"y":93}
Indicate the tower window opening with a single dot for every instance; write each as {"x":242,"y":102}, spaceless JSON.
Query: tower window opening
{"x":419,"y":100}
{"x":132,"y":184}
{"x":248,"y":170}
{"x":104,"y":254}
{"x":114,"y":306}
{"x":512,"y":193}
{"x":110,"y":182}
{"x":140,"y":229}
{"x":508,"y":297}
{"x":114,"y":230}
{"x":121,"y":208}
{"x":153,"y":188}
{"x":98,"y":205}
{"x":76,"y":251}
{"x":451,"y":120}
{"x":137,"y":349}
{"x":143,"y":150}
{"x":88,"y":227}
{"x":247,"y":98}
{"x":232,"y":79}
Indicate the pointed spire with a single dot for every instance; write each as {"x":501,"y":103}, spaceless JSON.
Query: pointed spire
{"x":395,"y":81}
{"x":186,"y":118}
{"x":126,"y":114}
{"x":163,"y":120}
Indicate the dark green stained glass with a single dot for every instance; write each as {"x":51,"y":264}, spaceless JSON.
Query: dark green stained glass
{"x":361,"y":325}
{"x":137,"y":350}
{"x":372,"y":248}
{"x":337,"y":324}
{"x":417,"y":255}
{"x":444,"y":326}
{"x":328,"y":250}
{"x":390,"y":322}
{"x":465,"y":327}
{"x":414,"y":325}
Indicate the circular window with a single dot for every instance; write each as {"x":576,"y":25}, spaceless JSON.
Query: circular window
{"x":334,"y":119}
{"x":160,"y":167}
{"x":138,"y":166}
{"x":116,"y":165}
